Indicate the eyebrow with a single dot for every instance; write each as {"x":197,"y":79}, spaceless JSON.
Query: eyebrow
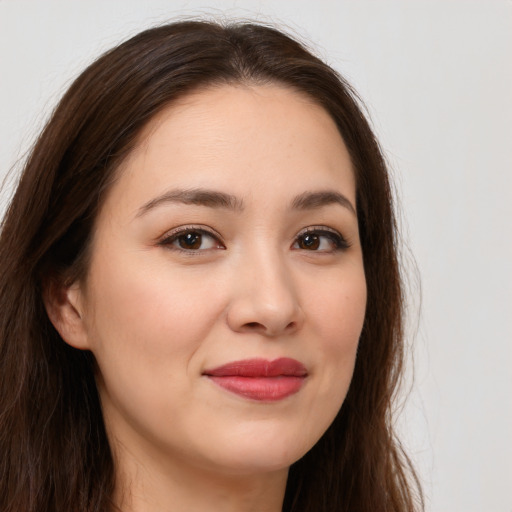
{"x":216,"y":199}
{"x":198,"y":196}
{"x":315,"y":200}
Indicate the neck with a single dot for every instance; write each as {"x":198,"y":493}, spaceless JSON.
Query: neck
{"x":144,"y":485}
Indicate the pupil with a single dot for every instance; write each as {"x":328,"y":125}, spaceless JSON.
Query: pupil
{"x":191,"y":241}
{"x":310,"y":242}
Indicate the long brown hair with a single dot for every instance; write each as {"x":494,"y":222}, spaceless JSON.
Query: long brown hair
{"x":54,"y":453}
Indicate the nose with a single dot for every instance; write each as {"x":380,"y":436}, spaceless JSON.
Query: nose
{"x":264,"y":298}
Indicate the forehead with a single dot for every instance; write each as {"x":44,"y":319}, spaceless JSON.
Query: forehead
{"x":236,"y":137}
{"x":234,"y":101}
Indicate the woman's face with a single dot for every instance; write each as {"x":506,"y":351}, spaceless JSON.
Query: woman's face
{"x":226,"y":291}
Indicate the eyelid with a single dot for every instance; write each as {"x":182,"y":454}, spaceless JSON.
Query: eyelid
{"x":336,"y":237}
{"x":173,"y":234}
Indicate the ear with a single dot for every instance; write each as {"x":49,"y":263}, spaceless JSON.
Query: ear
{"x":64,"y":306}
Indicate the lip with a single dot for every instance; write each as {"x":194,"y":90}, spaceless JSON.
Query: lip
{"x":260,"y":379}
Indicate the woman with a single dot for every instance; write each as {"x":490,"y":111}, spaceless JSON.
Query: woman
{"x":201,"y":305}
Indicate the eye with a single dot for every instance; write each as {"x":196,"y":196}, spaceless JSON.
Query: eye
{"x":320,"y":240}
{"x":191,"y":240}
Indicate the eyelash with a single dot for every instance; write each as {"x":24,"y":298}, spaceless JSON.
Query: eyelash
{"x":174,"y":236}
{"x":338,"y":241}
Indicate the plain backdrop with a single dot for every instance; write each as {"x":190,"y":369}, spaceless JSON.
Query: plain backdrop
{"x":436,"y":77}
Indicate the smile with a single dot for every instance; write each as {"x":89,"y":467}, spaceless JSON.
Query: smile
{"x":260,"y":379}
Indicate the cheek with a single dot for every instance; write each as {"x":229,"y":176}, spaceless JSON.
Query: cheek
{"x":152,"y":309}
{"x":145,"y":329}
{"x":338,"y":310}
{"x":337,"y":320}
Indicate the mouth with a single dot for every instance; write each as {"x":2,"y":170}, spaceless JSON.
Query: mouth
{"x":260,"y":379}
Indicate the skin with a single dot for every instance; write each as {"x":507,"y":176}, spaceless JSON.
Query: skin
{"x":156,"y":315}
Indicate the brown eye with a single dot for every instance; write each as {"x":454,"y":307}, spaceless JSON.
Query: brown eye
{"x":321,"y":240}
{"x":309,"y":242}
{"x":190,"y":240}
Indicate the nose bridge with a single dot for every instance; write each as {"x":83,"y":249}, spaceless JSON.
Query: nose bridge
{"x":265,"y":295}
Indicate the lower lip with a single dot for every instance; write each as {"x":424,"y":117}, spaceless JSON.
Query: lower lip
{"x":265,"y":389}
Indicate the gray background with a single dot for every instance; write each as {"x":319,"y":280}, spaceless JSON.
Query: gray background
{"x":437,"y":79}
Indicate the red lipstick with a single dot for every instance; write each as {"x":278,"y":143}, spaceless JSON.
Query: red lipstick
{"x":260,"y":379}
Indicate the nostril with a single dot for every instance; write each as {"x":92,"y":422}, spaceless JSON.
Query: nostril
{"x":268,"y":330}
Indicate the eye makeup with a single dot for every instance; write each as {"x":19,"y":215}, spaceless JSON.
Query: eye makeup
{"x":321,"y":239}
{"x":191,"y":239}
{"x":194,"y":239}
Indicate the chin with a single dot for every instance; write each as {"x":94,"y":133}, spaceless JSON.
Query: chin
{"x":262,"y":451}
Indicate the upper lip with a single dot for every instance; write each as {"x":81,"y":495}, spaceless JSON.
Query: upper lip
{"x":284,"y":366}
